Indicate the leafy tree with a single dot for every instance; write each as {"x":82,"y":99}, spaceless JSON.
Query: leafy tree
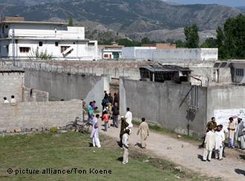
{"x":231,"y":40}
{"x":145,"y":40}
{"x":180,"y":44}
{"x":191,"y":36}
{"x":209,"y":43}
{"x":70,"y":22}
{"x":127,"y":42}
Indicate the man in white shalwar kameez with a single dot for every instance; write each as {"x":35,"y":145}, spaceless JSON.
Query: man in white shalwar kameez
{"x":95,"y":132}
{"x":143,"y":131}
{"x":125,"y":146}
{"x":209,"y":145}
{"x":128,"y":116}
{"x":219,"y":142}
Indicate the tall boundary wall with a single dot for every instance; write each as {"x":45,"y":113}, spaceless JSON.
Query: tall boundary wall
{"x":226,"y":101}
{"x":68,"y":86}
{"x":38,"y":114}
{"x":164,"y":104}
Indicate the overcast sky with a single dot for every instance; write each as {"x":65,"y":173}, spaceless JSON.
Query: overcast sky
{"x":233,"y":3}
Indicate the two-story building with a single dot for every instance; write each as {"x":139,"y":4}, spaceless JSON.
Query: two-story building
{"x":22,"y":39}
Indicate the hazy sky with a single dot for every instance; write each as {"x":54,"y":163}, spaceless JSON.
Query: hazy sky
{"x":233,"y":3}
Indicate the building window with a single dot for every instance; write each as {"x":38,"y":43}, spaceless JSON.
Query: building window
{"x":56,"y":43}
{"x":40,"y":43}
{"x":24,"y":49}
{"x":63,"y":48}
{"x":91,"y":44}
{"x":106,"y":56}
{"x":240,"y":72}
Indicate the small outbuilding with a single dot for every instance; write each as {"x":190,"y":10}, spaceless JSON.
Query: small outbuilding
{"x":161,"y":73}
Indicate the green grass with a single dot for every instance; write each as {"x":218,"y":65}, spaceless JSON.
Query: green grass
{"x":71,"y":150}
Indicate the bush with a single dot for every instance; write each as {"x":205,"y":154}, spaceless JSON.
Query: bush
{"x":53,"y":130}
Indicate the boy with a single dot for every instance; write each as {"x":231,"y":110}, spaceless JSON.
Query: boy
{"x":95,"y":132}
{"x":219,"y":142}
{"x":125,"y":146}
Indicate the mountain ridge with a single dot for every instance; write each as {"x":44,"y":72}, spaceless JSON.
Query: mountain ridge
{"x":124,"y":16}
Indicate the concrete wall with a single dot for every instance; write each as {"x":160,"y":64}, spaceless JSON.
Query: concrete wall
{"x":34,"y":95}
{"x":225,"y":97}
{"x":162,"y":103}
{"x":163,"y":55}
{"x":11,"y":84}
{"x":115,"y":69}
{"x":38,"y":114}
{"x":68,"y":86}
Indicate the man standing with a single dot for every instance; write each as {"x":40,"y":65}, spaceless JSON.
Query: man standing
{"x":115,"y":114}
{"x":95,"y":132}
{"x":125,"y":146}
{"x":143,"y":131}
{"x":231,"y":132}
{"x":209,"y":145}
{"x":129,"y":117}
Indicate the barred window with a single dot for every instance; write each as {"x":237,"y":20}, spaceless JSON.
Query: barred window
{"x":24,"y":49}
{"x":240,"y":72}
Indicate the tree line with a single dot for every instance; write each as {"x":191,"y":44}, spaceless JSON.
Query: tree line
{"x":230,"y":39}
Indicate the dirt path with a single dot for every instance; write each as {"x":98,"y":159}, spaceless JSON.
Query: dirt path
{"x":188,"y":155}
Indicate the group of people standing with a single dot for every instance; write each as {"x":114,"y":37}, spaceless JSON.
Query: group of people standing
{"x":110,"y":106}
{"x":214,"y":140}
{"x":110,"y":110}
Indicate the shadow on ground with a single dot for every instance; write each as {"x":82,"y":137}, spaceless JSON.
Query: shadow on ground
{"x":240,"y":171}
{"x":242,"y":157}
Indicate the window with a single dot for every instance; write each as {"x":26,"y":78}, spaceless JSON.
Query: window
{"x":240,"y":72}
{"x":106,"y":56}
{"x":90,"y":44}
{"x":40,"y":43}
{"x":24,"y":49}
{"x":63,"y":48}
{"x":56,"y":43}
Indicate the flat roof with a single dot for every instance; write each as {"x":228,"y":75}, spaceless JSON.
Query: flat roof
{"x":33,"y":22}
{"x":47,"y":38}
{"x":165,"y":68}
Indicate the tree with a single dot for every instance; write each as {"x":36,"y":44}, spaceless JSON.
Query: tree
{"x":145,"y":40}
{"x":191,"y":36}
{"x":180,"y":44}
{"x":70,"y":22}
{"x":209,"y":43}
{"x":127,"y":42}
{"x":231,"y":40}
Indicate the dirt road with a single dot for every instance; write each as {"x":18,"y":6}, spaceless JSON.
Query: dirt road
{"x":188,"y":155}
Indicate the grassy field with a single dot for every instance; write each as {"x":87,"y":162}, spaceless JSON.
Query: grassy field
{"x":70,"y":156}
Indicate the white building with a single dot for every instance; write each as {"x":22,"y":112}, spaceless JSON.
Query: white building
{"x":111,"y":52}
{"x":32,"y":39}
{"x":163,"y":55}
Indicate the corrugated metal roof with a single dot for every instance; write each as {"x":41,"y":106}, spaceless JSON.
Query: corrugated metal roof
{"x":165,"y":68}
